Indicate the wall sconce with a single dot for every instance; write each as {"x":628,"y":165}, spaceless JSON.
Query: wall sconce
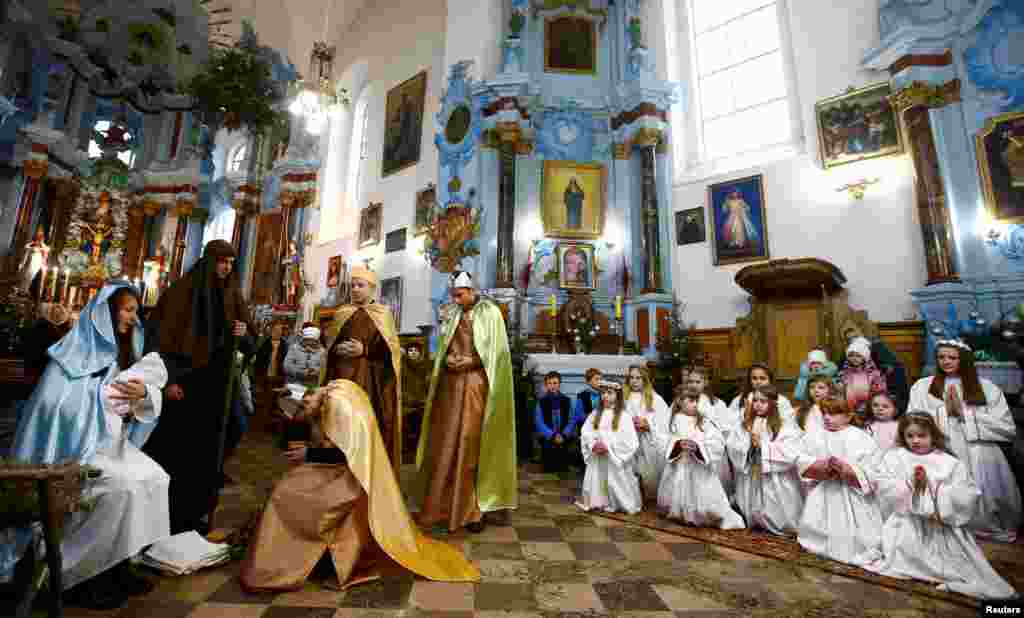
{"x":858,"y":188}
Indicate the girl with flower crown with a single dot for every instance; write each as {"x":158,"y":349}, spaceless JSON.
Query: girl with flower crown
{"x":928,"y":497}
{"x":974,"y":416}
{"x":609,"y":442}
{"x":650,"y":419}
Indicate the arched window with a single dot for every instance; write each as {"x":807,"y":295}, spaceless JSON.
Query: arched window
{"x":220,"y":227}
{"x":237,"y":158}
{"x":103,"y":126}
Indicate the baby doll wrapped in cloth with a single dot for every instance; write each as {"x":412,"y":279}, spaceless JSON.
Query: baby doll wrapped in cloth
{"x":151,"y":371}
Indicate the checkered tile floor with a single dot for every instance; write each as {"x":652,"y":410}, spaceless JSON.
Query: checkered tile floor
{"x":554,"y":560}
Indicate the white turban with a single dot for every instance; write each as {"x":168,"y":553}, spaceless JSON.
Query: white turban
{"x":311,"y":332}
{"x":861,"y":346}
{"x":462,"y":279}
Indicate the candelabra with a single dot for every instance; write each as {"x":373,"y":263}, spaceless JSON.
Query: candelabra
{"x":620,"y":327}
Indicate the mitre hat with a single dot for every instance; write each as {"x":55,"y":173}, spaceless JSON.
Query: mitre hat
{"x":462,"y":279}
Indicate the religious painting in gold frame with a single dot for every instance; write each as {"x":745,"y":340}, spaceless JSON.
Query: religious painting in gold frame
{"x":857,"y":125}
{"x":1000,"y":150}
{"x":570,"y":45}
{"x":573,"y":203}
{"x":403,"y":124}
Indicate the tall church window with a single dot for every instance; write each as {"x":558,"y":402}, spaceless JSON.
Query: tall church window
{"x":111,"y":132}
{"x":739,"y":73}
{"x":237,"y":158}
{"x":357,"y":158}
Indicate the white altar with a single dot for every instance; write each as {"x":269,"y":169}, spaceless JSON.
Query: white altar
{"x":574,"y":366}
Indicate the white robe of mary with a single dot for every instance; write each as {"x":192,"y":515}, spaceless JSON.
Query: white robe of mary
{"x":610,"y":484}
{"x":775,"y":500}
{"x":839,"y":521}
{"x":974,"y":439}
{"x":650,"y":460}
{"x":65,"y":420}
{"x":690,"y":489}
{"x":925,"y":536}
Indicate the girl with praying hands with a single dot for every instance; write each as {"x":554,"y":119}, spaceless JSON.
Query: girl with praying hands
{"x":929,"y":497}
{"x":808,"y":415}
{"x":974,"y":416}
{"x":841,"y":519}
{"x":764,"y":451}
{"x":609,"y":443}
{"x":650,"y":420}
{"x":714,"y":408}
{"x":690,"y":489}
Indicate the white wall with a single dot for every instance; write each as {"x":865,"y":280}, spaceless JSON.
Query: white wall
{"x":385,"y":45}
{"x":875,"y":242}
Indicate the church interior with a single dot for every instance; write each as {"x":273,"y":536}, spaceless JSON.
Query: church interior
{"x":592,"y":170}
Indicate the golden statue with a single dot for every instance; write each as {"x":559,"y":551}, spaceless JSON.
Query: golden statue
{"x":95,"y":240}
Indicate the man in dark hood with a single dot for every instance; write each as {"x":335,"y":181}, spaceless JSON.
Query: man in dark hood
{"x":196,"y":326}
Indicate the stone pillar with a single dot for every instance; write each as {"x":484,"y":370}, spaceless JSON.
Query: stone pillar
{"x":649,"y":214}
{"x":194,"y":237}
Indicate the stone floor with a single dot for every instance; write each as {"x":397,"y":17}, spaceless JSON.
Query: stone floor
{"x":551,"y":560}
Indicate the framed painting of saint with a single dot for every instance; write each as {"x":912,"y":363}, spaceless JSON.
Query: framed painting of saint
{"x":690,"y":226}
{"x":739,"y":227}
{"x":575,"y":266}
{"x":857,"y":125}
{"x":369,"y":225}
{"x":573,"y":205}
{"x":426,"y":200}
{"x":403,"y":128}
{"x":1000,"y":149}
{"x":391,"y":295}
{"x":570,"y":45}
{"x":333,"y":271}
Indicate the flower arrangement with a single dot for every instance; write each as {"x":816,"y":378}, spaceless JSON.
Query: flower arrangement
{"x":583,"y":331}
{"x":675,"y":347}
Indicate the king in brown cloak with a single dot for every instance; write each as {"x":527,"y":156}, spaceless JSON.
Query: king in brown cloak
{"x":363,"y":346}
{"x":191,"y":327}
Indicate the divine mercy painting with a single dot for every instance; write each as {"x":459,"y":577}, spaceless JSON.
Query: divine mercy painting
{"x":738,"y":215}
{"x":404,"y":124}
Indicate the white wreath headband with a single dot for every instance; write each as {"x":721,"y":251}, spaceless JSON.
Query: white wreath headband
{"x":953,"y":343}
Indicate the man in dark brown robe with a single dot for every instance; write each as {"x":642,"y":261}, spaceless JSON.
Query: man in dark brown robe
{"x":191,"y":327}
{"x":363,"y":347}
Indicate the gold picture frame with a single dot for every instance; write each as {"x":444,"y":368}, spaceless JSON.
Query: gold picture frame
{"x":558,"y":49}
{"x":403,"y":124}
{"x":569,"y":211}
{"x":857,"y":125}
{"x":1000,"y":152}
{"x":576,"y":267}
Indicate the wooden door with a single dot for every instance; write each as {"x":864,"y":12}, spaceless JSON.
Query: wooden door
{"x":266,"y":271}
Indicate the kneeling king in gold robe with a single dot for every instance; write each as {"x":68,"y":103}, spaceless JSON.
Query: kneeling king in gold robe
{"x":353,"y":511}
{"x":363,"y":346}
{"x":467,"y":451}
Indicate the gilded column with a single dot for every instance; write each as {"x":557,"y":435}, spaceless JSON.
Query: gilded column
{"x":35,"y":168}
{"x":504,"y":274}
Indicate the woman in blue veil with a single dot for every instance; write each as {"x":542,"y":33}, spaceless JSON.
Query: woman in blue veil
{"x":65,"y":420}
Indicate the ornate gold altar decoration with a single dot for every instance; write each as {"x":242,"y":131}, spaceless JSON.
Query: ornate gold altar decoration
{"x":928,"y":95}
{"x":96,"y":236}
{"x":452,"y":233}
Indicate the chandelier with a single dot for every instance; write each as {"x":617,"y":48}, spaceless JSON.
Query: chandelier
{"x":317,"y":96}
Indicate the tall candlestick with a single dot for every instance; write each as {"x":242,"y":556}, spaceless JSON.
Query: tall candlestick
{"x":42,"y":283}
{"x":618,"y":307}
{"x":67,"y":284}
{"x":553,"y":304}
{"x":53,"y":287}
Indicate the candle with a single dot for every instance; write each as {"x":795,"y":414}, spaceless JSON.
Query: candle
{"x":553,"y":304}
{"x":618,"y":307}
{"x":53,"y":288}
{"x":67,"y":283}
{"x":42,"y":284}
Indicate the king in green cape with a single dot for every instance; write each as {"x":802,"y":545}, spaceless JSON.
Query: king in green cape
{"x":466,"y":457}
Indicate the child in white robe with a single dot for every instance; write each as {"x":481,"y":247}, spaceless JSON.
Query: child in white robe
{"x":650,"y":419}
{"x":712,"y":407}
{"x":808,"y":414}
{"x":841,"y":519}
{"x":764,"y":451}
{"x":690,"y":489}
{"x":758,"y":374}
{"x":974,"y":416}
{"x":609,"y":443}
{"x":882,"y":420}
{"x":930,"y":497}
